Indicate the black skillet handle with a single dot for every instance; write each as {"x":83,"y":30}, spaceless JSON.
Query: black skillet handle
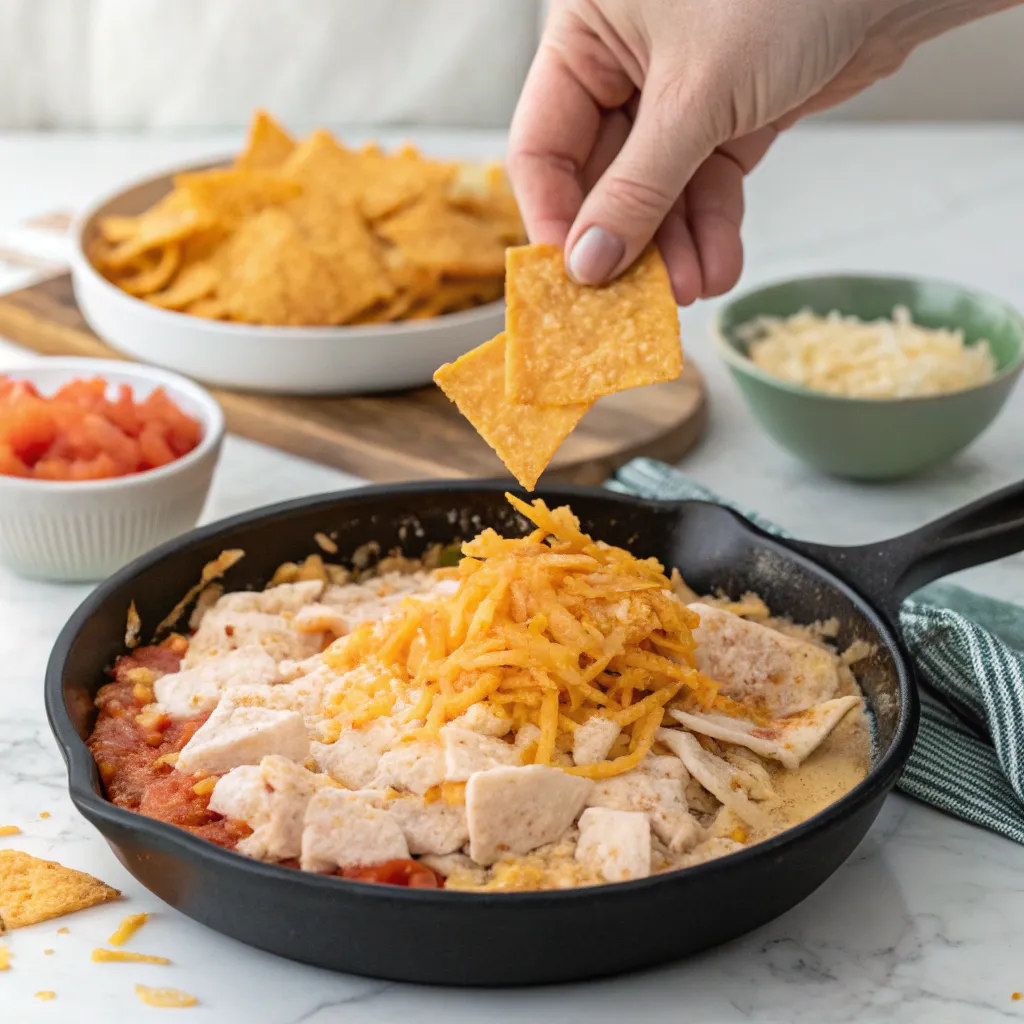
{"x":889,"y":571}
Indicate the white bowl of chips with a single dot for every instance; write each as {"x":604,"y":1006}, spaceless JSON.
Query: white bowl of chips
{"x":254,"y":276}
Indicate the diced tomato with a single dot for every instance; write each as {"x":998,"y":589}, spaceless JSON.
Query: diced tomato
{"x":88,"y":394}
{"x":10,"y":464}
{"x":27,"y":426}
{"x":80,"y":434}
{"x":102,"y":467}
{"x":124,"y":450}
{"x":154,"y":448}
{"x":123,"y":412}
{"x":405,"y":872}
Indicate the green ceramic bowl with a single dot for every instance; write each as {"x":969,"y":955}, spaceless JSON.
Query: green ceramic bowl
{"x":874,"y":439}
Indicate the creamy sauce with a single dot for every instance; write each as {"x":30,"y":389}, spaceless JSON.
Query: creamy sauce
{"x":829,"y":773}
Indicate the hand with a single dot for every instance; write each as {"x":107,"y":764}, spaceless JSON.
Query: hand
{"x":640,"y":118}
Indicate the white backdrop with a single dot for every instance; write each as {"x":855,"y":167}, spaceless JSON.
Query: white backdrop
{"x":129,"y":64}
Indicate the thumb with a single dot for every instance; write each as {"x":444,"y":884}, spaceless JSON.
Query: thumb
{"x":627,"y":205}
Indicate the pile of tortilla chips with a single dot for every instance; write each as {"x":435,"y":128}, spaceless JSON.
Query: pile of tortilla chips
{"x":311,"y":233}
{"x":564,"y":346}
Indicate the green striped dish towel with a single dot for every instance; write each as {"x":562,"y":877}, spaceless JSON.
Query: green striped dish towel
{"x":969,"y":647}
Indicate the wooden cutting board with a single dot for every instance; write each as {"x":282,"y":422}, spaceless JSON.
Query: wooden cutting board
{"x":414,"y":435}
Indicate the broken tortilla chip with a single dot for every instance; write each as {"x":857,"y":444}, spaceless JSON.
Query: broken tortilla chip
{"x":524,"y":437}
{"x":172,"y":219}
{"x":230,"y":195}
{"x":194,"y":283}
{"x":268,"y":144}
{"x":570,"y":343}
{"x":150,"y":272}
{"x":34,"y":890}
{"x":433,"y":235}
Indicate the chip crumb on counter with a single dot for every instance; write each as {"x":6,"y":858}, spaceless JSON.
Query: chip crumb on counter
{"x":169,"y":998}
{"x":47,"y":952}
{"x":5,"y":958}
{"x":64,"y":931}
{"x":124,"y":956}
{"x":44,"y":814}
{"x":46,"y":995}
{"x":1016,"y":996}
{"x":127,"y":928}
{"x":10,"y":830}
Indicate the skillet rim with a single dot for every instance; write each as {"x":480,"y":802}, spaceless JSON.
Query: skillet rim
{"x":96,"y":808}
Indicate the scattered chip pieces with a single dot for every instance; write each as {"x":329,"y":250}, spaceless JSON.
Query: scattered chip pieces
{"x":524,"y":437}
{"x":166,"y":998}
{"x":46,"y":996}
{"x":571,"y":343}
{"x":312,"y":233}
{"x":125,"y":956}
{"x":9,"y":830}
{"x":5,"y":957}
{"x":34,"y":890}
{"x":127,"y":928}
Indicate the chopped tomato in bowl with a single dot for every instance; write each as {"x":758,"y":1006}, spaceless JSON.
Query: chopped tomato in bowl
{"x":80,"y":432}
{"x":100,"y":461}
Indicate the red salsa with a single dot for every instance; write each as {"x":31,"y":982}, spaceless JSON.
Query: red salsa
{"x":135,"y":752}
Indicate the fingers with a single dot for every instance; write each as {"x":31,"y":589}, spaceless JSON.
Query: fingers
{"x":553,"y":130}
{"x":633,"y":197}
{"x":678,"y":249}
{"x":714,"y":206}
{"x":557,"y":123}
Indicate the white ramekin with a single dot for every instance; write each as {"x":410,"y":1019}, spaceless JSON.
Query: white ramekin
{"x":84,"y":531}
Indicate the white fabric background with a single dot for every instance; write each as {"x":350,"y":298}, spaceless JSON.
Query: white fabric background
{"x":129,"y":64}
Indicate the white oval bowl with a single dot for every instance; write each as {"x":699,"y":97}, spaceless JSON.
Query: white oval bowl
{"x":85,"y":530}
{"x":272,"y":360}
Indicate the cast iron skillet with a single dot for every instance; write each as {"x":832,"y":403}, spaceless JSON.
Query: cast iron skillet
{"x":525,"y":938}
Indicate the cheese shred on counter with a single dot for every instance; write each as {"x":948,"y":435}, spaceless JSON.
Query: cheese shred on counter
{"x":545,"y":631}
{"x":842,"y":355}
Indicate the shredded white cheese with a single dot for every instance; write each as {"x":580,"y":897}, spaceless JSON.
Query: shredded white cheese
{"x":842,"y":355}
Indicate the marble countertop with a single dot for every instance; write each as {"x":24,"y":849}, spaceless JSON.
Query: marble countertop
{"x":926,"y":920}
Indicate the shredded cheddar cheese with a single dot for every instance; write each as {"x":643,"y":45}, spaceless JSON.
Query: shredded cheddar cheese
{"x":127,"y":928}
{"x":124,"y":956}
{"x":167,"y":998}
{"x":544,"y":630}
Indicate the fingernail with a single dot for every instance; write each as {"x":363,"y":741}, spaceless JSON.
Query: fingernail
{"x":595,"y":255}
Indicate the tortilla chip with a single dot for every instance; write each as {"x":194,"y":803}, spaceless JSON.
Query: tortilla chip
{"x":268,"y":144}
{"x":432,"y":234}
{"x":484,"y":191}
{"x":150,"y":272}
{"x":231,"y":195}
{"x":210,"y":308}
{"x":454,"y":294}
{"x":438,"y":222}
{"x":570,"y":343}
{"x":524,"y":437}
{"x":118,"y":229}
{"x":34,"y":890}
{"x":321,"y":164}
{"x":195,"y":282}
{"x":277,"y":275}
{"x":172,"y":219}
